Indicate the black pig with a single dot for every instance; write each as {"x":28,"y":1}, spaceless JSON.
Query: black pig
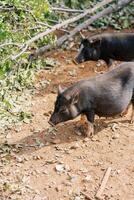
{"x":108,"y":47}
{"x":106,"y":95}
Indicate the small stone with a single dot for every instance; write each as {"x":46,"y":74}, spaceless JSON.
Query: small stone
{"x":45,"y":172}
{"x":20,"y":159}
{"x":118,"y":171}
{"x":114,"y":126}
{"x":86,"y":139}
{"x":46,"y":114}
{"x":8,"y":136}
{"x":37,"y":157}
{"x":67,"y":168}
{"x":58,"y":188}
{"x":56,"y":141}
{"x":77,"y":198}
{"x":75,"y":146}
{"x":60,"y":168}
{"x":73,"y":179}
{"x":115,"y":136}
{"x":87,"y":178}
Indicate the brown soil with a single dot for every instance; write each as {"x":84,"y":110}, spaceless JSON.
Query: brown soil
{"x":81,"y":162}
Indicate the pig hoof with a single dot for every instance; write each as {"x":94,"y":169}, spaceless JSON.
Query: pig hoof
{"x":90,"y":132}
{"x":90,"y":135}
{"x":131,"y":121}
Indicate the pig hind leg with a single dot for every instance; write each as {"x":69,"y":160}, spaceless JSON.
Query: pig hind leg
{"x":132,"y":115}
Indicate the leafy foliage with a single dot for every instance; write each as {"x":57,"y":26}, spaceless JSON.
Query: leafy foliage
{"x":19,"y":21}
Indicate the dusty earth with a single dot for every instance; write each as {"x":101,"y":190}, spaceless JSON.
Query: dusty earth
{"x":45,"y":163}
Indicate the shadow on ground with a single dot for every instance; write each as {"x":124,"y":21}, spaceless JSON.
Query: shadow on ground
{"x":65,"y":133}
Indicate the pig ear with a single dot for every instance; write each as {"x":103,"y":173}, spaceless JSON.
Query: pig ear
{"x":60,"y":90}
{"x":85,"y":42}
{"x":82,"y":36}
{"x":75,"y":98}
{"x":96,"y":43}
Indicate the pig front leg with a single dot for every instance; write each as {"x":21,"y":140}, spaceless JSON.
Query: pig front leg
{"x":90,"y":123}
{"x":132,"y":115}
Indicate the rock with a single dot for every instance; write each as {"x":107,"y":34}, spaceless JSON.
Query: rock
{"x":67,"y":168}
{"x":86,"y":139}
{"x":118,"y":171}
{"x":73,"y":178}
{"x":75,"y":146}
{"x":37,"y":157}
{"x":87,"y":178}
{"x":60,"y":168}
{"x":77,"y":198}
{"x":45,"y":172}
{"x":114,"y":126}
{"x":56,"y":141}
{"x":19,"y":159}
{"x":58,"y":188}
{"x":115,"y":136}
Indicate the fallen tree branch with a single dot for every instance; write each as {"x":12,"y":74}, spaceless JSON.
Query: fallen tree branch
{"x":66,"y":22}
{"x":58,"y":26}
{"x":84,"y":25}
{"x":49,"y":26}
{"x":66,"y":10}
{"x":103,"y":184}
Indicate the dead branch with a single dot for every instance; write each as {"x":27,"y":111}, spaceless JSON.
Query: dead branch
{"x":103,"y":184}
{"x":10,"y":43}
{"x":58,"y":26}
{"x":18,"y":55}
{"x":67,"y":10}
{"x":49,"y":26}
{"x":84,"y":25}
{"x":6,"y":8}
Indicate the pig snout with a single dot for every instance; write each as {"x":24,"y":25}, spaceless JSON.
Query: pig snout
{"x":51,"y":123}
{"x":53,"y":120}
{"x":75,"y":61}
{"x":78,"y":60}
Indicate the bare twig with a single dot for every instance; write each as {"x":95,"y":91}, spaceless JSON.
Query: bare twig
{"x":66,"y":10}
{"x":66,"y":22}
{"x":103,"y":184}
{"x":49,"y":26}
{"x":18,"y":55}
{"x":10,"y":43}
{"x":84,"y":25}
{"x":6,"y":8}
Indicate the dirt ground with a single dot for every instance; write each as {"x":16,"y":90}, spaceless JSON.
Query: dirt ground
{"x":59,"y":163}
